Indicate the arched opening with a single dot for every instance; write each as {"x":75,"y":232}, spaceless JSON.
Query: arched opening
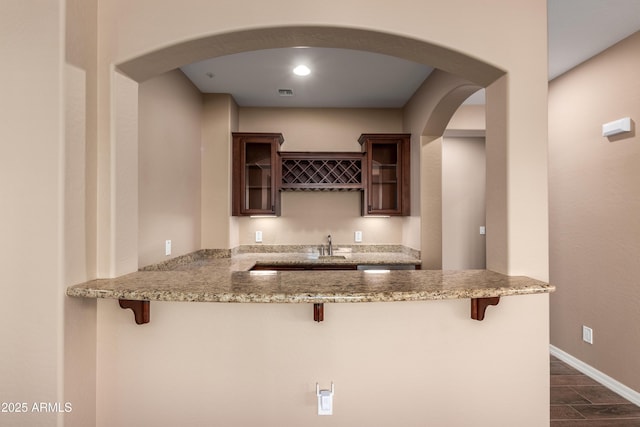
{"x":171,"y":57}
{"x":456,"y":77}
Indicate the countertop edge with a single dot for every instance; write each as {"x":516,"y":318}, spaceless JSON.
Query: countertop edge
{"x":308,"y":297}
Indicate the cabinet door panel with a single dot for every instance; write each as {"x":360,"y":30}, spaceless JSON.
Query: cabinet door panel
{"x":255,"y":173}
{"x":387,"y":190}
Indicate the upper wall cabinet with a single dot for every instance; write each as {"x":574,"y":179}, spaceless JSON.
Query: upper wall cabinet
{"x":255,"y":173}
{"x":387,"y":190}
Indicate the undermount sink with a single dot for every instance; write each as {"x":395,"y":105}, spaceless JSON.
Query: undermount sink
{"x":332,"y":257}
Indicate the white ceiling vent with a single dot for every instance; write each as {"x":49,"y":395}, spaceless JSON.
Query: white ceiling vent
{"x":285,"y":92}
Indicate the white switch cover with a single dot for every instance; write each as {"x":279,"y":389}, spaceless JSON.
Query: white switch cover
{"x":167,"y":247}
{"x":358,"y":236}
{"x":258,"y":236}
{"x":483,"y":230}
{"x":587,"y":334}
{"x":325,"y":402}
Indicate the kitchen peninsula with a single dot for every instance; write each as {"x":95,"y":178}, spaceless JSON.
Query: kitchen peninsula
{"x":214,"y":276}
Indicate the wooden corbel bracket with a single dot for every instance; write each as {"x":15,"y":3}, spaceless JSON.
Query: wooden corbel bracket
{"x":141,"y":309}
{"x":318,"y":312}
{"x":479,"y":306}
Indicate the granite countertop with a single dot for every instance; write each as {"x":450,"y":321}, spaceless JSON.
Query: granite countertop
{"x":210,"y":279}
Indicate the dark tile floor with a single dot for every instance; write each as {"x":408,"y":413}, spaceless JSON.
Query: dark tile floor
{"x":579,"y":401}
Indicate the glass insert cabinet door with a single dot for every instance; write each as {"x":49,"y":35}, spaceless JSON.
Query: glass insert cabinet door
{"x":388,"y":175}
{"x":255,"y":171}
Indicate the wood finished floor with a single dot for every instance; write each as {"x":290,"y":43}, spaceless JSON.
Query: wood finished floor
{"x":579,"y":401}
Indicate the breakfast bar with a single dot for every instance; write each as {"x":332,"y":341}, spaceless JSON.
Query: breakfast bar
{"x":256,"y":278}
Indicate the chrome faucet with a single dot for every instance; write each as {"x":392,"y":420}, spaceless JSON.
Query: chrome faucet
{"x":330,"y":246}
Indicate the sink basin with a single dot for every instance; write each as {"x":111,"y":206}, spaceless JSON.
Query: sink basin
{"x":332,"y":257}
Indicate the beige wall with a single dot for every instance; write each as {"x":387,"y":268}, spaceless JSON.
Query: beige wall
{"x":468,"y":120}
{"x":170,"y":128}
{"x":35,"y":102}
{"x":321,"y":129}
{"x":308,"y":217}
{"x":525,"y":118}
{"x":594,"y":212}
{"x":463,"y":203}
{"x":464,"y":189}
{"x":142,"y":28}
{"x":32,"y":153}
{"x":408,"y":364}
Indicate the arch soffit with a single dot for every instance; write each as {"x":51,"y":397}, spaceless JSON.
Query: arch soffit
{"x":464,"y":69}
{"x":167,"y":58}
{"x":444,"y":109}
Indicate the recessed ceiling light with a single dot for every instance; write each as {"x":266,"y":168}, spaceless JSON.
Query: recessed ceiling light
{"x":302,"y":70}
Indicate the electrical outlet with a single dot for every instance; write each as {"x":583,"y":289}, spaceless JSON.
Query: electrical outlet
{"x":167,"y":247}
{"x":258,"y":236}
{"x":358,"y":237}
{"x":587,"y":334}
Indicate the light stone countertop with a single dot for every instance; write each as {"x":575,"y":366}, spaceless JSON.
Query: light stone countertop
{"x":210,"y":279}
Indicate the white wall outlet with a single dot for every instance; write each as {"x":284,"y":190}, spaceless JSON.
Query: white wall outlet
{"x":357,"y":237}
{"x":167,"y":247}
{"x":587,"y":334}
{"x":258,"y":236}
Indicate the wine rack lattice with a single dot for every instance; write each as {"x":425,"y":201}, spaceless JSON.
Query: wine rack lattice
{"x":330,"y":173}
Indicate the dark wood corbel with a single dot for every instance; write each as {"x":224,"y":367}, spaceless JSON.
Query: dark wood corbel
{"x":479,"y":306}
{"x":141,"y":309}
{"x":318,"y":312}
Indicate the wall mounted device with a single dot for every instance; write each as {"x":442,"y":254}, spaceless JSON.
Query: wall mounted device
{"x":325,"y":400}
{"x":617,"y":126}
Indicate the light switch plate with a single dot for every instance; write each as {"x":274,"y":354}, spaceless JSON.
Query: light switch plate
{"x":325,"y":403}
{"x":357,"y":236}
{"x":258,"y":236}
{"x":167,"y":247}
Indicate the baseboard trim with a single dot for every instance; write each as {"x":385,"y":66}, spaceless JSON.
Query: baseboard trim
{"x":604,"y":379}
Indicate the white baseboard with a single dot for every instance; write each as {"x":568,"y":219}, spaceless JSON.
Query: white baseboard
{"x":604,"y":379}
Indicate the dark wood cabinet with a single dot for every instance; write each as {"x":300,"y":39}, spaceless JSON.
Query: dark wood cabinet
{"x":255,"y":173}
{"x":388,"y":175}
{"x":321,"y":171}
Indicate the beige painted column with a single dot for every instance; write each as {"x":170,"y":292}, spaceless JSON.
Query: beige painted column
{"x":431,"y":202}
{"x":219,"y":229}
{"x":517,"y":194}
{"x":118,"y":182}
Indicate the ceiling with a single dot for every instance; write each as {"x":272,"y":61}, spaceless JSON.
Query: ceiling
{"x":577,"y":29}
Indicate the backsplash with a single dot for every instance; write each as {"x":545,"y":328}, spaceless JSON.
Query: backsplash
{"x":245,"y":249}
